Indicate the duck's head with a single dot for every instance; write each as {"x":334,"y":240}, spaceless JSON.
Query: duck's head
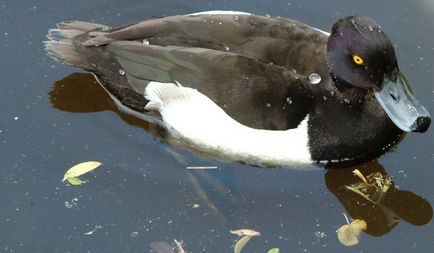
{"x":360,"y":54}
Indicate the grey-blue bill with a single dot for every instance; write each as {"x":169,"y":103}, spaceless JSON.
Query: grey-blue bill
{"x":398,"y":101}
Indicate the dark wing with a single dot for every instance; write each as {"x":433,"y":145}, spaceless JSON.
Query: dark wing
{"x":280,"y":41}
{"x":256,"y":94}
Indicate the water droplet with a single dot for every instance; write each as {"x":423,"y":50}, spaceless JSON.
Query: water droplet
{"x":145,"y":41}
{"x":267,"y":15}
{"x":333,"y":93}
{"x":227,"y":48}
{"x":324,"y":97}
{"x":236,"y":17}
{"x":347,"y":100}
{"x":16,"y":118}
{"x":289,"y":100}
{"x":314,"y":78}
{"x":371,"y":28}
{"x":121,"y":72}
{"x":268,"y":105}
{"x":220,"y":23}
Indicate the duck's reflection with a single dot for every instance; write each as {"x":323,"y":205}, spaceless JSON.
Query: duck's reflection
{"x":382,"y":210}
{"x":81,"y":93}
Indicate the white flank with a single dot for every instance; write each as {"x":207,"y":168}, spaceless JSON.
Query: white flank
{"x":196,"y":119}
{"x":216,"y":12}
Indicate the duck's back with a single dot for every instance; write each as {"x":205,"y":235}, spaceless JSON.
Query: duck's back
{"x":253,"y":67}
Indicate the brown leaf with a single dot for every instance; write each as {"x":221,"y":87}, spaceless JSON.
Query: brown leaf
{"x":245,"y":232}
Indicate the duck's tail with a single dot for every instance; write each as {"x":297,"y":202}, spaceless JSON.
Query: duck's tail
{"x":61,"y":44}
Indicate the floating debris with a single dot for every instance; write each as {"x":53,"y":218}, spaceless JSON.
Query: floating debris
{"x":75,"y":181}
{"x":245,"y":232}
{"x":202,"y":167}
{"x":97,"y":227}
{"x":79,"y":169}
{"x":241,"y":244}
{"x":373,"y":187}
{"x":274,"y":250}
{"x":161,"y":247}
{"x":179,"y":246}
{"x":320,"y":234}
{"x":349,"y":234}
{"x":73,"y":203}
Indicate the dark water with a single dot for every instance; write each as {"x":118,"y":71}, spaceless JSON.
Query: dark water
{"x":144,"y":193}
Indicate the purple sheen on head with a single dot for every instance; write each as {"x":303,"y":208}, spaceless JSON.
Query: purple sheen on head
{"x":365,"y":38}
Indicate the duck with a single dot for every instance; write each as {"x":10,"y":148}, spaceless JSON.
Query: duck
{"x":257,"y":89}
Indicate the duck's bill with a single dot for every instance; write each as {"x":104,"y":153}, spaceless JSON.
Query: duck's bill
{"x":398,"y":101}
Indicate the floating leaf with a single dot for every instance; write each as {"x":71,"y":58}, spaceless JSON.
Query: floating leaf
{"x":80,"y":169}
{"x":245,"y":232}
{"x":179,"y":246}
{"x":274,"y":250}
{"x":74,"y":180}
{"x":161,"y":247}
{"x":349,"y":234}
{"x":241,"y":243}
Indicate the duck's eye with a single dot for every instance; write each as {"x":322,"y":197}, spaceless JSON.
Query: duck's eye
{"x":358,"y":60}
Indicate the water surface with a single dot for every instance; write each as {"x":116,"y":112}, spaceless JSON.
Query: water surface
{"x":143,"y":193}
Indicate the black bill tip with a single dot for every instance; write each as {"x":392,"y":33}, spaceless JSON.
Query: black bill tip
{"x":421,"y":124}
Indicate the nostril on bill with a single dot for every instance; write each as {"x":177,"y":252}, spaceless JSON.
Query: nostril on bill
{"x":394,"y":96}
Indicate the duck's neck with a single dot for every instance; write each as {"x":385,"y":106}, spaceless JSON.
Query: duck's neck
{"x":347,"y":92}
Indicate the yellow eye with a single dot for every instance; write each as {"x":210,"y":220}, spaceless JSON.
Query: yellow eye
{"x":358,"y":60}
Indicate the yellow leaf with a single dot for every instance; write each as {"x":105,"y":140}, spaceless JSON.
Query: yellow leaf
{"x":74,"y":180}
{"x":349,"y":234}
{"x":80,"y":169}
{"x":274,"y":250}
{"x":241,"y":243}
